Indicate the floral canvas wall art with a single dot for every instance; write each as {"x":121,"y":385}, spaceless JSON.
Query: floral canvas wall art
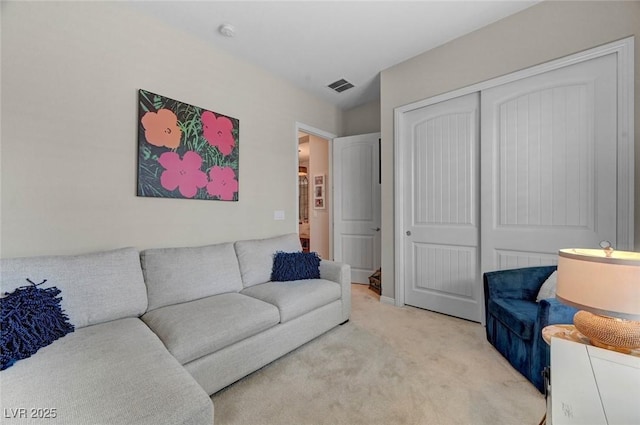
{"x":185,"y":151}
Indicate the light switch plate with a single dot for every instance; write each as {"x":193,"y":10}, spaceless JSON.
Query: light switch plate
{"x":278,"y":215}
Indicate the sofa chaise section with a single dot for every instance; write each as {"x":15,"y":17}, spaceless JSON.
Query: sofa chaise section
{"x":112,"y":369}
{"x":111,"y":373}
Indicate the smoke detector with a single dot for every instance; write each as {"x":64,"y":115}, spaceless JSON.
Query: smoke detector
{"x":227,"y":30}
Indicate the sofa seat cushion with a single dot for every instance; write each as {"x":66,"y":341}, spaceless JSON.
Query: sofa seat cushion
{"x":197,"y":328}
{"x":112,"y":373}
{"x":297,"y":297}
{"x":517,"y":315}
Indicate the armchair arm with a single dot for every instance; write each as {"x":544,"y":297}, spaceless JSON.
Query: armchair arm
{"x":550,"y":312}
{"x":341,"y":274}
{"x":553,"y":312}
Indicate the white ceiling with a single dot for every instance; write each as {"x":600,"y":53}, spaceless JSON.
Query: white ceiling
{"x":314,"y":43}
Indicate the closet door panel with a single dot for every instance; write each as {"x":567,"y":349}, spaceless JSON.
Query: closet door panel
{"x":441,"y":212}
{"x":548,"y":172}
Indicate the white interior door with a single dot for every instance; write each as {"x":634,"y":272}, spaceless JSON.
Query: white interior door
{"x":549,"y":164}
{"x":441,"y":207}
{"x":356,"y":216}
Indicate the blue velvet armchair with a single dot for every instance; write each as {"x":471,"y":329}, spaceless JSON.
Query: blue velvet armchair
{"x":515,"y":320}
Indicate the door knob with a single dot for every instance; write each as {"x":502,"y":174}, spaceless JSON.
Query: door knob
{"x":408,"y":232}
{"x":377,"y":229}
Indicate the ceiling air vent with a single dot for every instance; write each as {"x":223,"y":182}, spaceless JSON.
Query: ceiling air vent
{"x":340,"y":85}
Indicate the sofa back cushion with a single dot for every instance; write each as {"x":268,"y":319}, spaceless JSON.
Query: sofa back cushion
{"x":178,"y":275}
{"x":95,"y":288}
{"x":256,"y":256}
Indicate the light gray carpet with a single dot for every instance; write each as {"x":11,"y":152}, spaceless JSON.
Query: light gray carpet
{"x":388,"y":365}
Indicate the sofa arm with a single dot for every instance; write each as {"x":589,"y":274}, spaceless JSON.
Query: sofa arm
{"x":550,"y":312}
{"x":341,"y":274}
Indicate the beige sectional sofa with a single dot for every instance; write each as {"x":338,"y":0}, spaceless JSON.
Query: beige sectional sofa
{"x":159,"y":331}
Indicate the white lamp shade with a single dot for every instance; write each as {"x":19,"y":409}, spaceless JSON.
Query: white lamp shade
{"x":591,"y":281}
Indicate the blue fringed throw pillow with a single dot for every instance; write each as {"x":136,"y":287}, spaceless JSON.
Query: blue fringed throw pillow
{"x":295,"y":266}
{"x":31,"y":318}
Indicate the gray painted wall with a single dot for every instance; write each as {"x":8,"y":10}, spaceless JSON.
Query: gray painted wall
{"x":363,"y":119}
{"x":70,"y":75}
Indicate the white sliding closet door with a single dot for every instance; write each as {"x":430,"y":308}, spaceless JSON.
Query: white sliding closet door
{"x":441,"y":213}
{"x":549,"y":171}
{"x":548,"y":165}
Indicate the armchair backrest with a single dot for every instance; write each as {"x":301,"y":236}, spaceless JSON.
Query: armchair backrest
{"x":522,"y":284}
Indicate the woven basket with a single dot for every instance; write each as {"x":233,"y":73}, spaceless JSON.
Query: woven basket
{"x":375,"y":283}
{"x":608,"y":332}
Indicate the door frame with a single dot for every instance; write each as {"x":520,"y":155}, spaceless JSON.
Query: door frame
{"x":624,"y":50}
{"x":304,"y":128}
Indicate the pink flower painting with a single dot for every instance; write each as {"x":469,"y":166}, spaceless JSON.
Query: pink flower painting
{"x":184,"y":174}
{"x":222,"y":183}
{"x":217,"y":131}
{"x":185,"y":151}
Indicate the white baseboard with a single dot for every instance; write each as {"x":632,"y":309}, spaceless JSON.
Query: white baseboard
{"x":387,"y":300}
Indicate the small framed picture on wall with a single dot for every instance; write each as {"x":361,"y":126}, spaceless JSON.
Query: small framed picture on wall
{"x":318,"y":192}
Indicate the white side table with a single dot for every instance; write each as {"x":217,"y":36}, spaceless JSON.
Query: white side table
{"x":591,"y":385}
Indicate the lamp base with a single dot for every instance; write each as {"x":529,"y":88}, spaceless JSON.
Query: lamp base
{"x":608,"y":332}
